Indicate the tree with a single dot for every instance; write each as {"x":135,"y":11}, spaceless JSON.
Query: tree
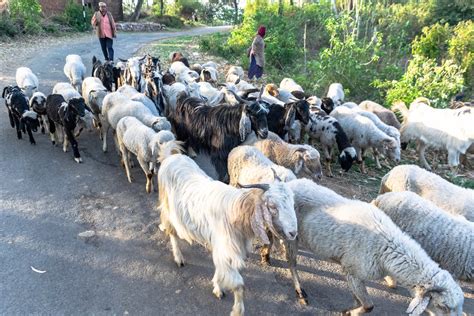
{"x":136,"y":12}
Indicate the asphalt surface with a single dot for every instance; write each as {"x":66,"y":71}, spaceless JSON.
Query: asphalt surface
{"x":46,"y":200}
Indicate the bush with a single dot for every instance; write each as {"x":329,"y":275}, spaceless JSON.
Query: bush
{"x":168,"y":20}
{"x":27,"y":15}
{"x":424,"y":78}
{"x":433,"y":42}
{"x":73,"y":16}
{"x":461,"y":49}
{"x":7,"y":27}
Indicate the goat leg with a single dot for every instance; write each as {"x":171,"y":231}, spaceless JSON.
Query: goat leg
{"x":291,"y":252}
{"x":12,"y":121}
{"x":327,"y":155}
{"x":75,"y":147}
{"x":30,"y":135}
{"x":148,"y":173}
{"x":238,"y":308}
{"x":18,"y":130}
{"x":421,"y":155}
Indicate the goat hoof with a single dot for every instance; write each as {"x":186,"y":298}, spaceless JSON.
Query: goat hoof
{"x":219,"y":294}
{"x":78,"y":160}
{"x":265,"y":260}
{"x":32,"y":142}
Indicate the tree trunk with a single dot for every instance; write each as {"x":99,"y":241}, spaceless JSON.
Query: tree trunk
{"x":280,"y":7}
{"x":236,"y":8}
{"x":292,"y":3}
{"x":136,"y":13}
{"x":162,"y":7}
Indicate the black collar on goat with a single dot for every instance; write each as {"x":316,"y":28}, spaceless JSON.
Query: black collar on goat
{"x":280,"y":119}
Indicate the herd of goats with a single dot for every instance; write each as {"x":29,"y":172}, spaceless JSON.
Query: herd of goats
{"x":418,"y":232}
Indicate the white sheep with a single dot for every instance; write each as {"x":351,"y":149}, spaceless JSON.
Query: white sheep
{"x":212,"y":96}
{"x":448,"y":240}
{"x":369,"y":246}
{"x":75,"y":71}
{"x":94,"y":92}
{"x":134,"y":95}
{"x":248,"y":165}
{"x":234,"y":74}
{"x":364,"y":134}
{"x":451,"y":130}
{"x":27,"y":81}
{"x":209,"y":74}
{"x":447,"y":196}
{"x":336,"y":93}
{"x":303,"y":160}
{"x":116,"y":105}
{"x":66,"y":90}
{"x":145,"y":144}
{"x":290,"y":85}
{"x":225,"y":221}
{"x":209,"y":64}
{"x":384,"y":114}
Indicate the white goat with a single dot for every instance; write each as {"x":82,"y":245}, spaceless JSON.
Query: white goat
{"x":209,"y":74}
{"x":27,"y":81}
{"x":369,"y":246}
{"x":447,"y":196}
{"x":94,"y":92}
{"x":290,"y":85}
{"x":387,"y":116}
{"x":66,"y":90}
{"x":451,"y":130}
{"x":116,"y":105}
{"x":75,"y":71}
{"x":145,"y":144}
{"x":364,"y":134}
{"x":133,"y":73}
{"x":248,"y":165}
{"x":336,"y":93}
{"x":234,"y":74}
{"x":447,"y":239}
{"x":225,"y":221}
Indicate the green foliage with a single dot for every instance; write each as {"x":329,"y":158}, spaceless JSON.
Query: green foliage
{"x":74,"y":18}
{"x":452,"y":11}
{"x":219,"y":13}
{"x":461,"y":49}
{"x":424,"y":77}
{"x":7,"y":26}
{"x":27,"y":14}
{"x":433,"y":42}
{"x":184,"y":8}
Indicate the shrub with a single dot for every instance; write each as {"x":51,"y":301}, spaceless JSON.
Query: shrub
{"x":168,"y":20}
{"x":433,"y":42}
{"x":73,"y":16}
{"x":7,"y":27}
{"x":461,"y":49}
{"x":424,"y":77}
{"x":27,"y":14}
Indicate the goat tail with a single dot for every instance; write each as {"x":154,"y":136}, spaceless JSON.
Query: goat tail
{"x":400,"y":106}
{"x":170,"y":148}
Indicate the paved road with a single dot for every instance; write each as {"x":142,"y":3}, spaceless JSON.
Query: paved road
{"x":46,"y":200}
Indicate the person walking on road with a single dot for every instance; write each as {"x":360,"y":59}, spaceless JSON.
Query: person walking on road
{"x":257,"y":54}
{"x":104,"y":24}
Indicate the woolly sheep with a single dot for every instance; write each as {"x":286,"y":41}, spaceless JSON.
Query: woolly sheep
{"x":303,"y":160}
{"x":94,"y":92}
{"x":364,"y":134}
{"x":247,"y":165}
{"x":27,"y":81}
{"x":38,"y":104}
{"x":369,"y":246}
{"x":336,"y":93}
{"x":451,"y":130}
{"x":447,"y":240}
{"x":144,"y":143}
{"x":234,"y":74}
{"x":66,"y":90}
{"x":387,"y":116}
{"x":75,"y":71}
{"x":225,"y":221}
{"x":447,"y":196}
{"x":116,"y":105}
{"x":134,"y":95}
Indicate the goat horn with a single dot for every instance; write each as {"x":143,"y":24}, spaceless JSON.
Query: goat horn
{"x":260,"y":94}
{"x":123,"y":60}
{"x":276,"y":176}
{"x":247,"y":92}
{"x":262,"y":186}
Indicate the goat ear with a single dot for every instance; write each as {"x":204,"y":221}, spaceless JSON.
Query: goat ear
{"x":245,"y":125}
{"x":258,"y":222}
{"x":419,"y":304}
{"x":290,"y":117}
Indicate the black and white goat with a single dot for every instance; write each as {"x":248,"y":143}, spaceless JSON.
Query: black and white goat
{"x":103,"y":71}
{"x":19,"y":113}
{"x":38,"y":104}
{"x":281,"y":118}
{"x":217,"y":130}
{"x":66,"y":115}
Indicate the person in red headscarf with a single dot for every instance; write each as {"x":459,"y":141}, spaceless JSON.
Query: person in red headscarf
{"x":257,"y":55}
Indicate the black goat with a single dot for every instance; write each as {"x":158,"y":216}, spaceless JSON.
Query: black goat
{"x":105,"y":72}
{"x":327,"y":104}
{"x":19,"y":113}
{"x":280,"y":119}
{"x":65,"y":114}
{"x":217,"y":130}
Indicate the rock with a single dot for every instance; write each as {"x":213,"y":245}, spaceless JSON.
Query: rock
{"x":87,"y":234}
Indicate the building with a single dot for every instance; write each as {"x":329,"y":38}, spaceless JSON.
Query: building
{"x":55,"y":7}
